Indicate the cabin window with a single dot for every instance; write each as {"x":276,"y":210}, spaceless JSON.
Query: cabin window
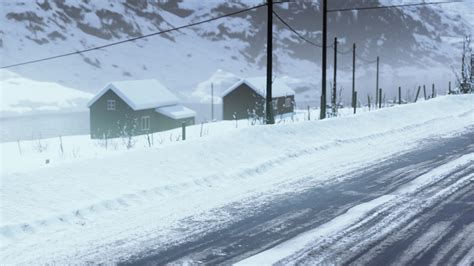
{"x":145,"y":123}
{"x":110,"y":105}
{"x":288,"y":102}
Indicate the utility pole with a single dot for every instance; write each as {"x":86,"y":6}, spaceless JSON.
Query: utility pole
{"x":323,"y":67}
{"x":377,"y":83}
{"x":212,"y":101}
{"x":269,"y":109}
{"x":353,"y":74}
{"x":334,"y":89}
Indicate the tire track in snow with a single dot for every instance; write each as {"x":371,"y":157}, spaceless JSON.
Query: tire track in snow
{"x":407,"y":231}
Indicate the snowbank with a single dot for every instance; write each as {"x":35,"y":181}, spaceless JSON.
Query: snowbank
{"x":70,"y":211}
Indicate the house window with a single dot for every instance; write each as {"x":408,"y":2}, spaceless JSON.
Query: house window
{"x":145,"y":122}
{"x":288,"y":102}
{"x":110,"y":105}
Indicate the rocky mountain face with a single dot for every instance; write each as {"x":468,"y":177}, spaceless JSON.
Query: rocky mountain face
{"x":420,"y":37}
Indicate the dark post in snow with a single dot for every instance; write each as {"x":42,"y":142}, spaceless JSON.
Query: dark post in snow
{"x":212,"y":101}
{"x":433,"y":94}
{"x":368,"y":101}
{"x":449,"y":88}
{"x":334,"y":88}
{"x":399,"y":95}
{"x":183,"y":130}
{"x":380,"y":98}
{"x":424,"y":91}
{"x":19,"y":146}
{"x":377,"y":83}
{"x":417,"y":93}
{"x":354,"y":97}
{"x":354,"y":101}
{"x":61,"y":145}
{"x":269,"y":110}
{"x":324,"y":63}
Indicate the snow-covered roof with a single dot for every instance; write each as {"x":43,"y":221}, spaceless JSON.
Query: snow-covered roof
{"x":258,"y":84}
{"x":176,"y":111}
{"x":140,"y":94}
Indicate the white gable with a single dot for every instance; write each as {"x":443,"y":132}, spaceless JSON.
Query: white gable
{"x":140,"y":94}
{"x":258,"y":84}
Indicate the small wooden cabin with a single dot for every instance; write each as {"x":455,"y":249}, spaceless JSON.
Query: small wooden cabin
{"x":136,"y":107}
{"x":246,"y":99}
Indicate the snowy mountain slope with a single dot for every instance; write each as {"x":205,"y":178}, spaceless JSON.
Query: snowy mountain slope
{"x":64,"y":213}
{"x":181,"y":59}
{"x":21,"y":96}
{"x":221,"y":80}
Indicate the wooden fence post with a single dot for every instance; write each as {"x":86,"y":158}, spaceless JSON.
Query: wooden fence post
{"x":183,"y":129}
{"x":19,"y":147}
{"x":202,"y":125}
{"x":399,"y":95}
{"x":368,"y":101}
{"x":61,"y":145}
{"x":417,"y":93}
{"x":309,"y":114}
{"x":449,"y":88}
{"x":424,"y":91}
{"x":433,"y":91}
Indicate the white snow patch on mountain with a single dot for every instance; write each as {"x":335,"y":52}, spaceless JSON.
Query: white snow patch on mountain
{"x":221,"y":80}
{"x":21,"y":95}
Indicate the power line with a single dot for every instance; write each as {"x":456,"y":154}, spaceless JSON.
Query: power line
{"x":296,"y":32}
{"x":135,"y":38}
{"x":365,"y":60}
{"x":393,"y":6}
{"x":343,"y":52}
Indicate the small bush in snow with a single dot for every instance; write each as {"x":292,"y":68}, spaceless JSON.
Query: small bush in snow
{"x":40,"y":146}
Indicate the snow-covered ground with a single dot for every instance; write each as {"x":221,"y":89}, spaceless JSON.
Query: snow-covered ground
{"x":95,"y":204}
{"x":25,"y":155}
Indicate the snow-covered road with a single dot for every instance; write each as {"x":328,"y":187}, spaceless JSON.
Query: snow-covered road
{"x":414,"y":208}
{"x":232,"y":195}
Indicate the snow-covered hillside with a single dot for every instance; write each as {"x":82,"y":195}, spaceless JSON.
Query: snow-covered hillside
{"x":222,"y":80}
{"x":74,"y":212}
{"x":181,"y":60}
{"x":21,"y":95}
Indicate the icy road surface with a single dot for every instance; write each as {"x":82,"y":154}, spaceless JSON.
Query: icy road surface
{"x":417,"y":208}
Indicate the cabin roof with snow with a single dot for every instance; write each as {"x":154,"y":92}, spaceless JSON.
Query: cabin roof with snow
{"x":258,"y":84}
{"x":176,"y":111}
{"x":140,"y":94}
